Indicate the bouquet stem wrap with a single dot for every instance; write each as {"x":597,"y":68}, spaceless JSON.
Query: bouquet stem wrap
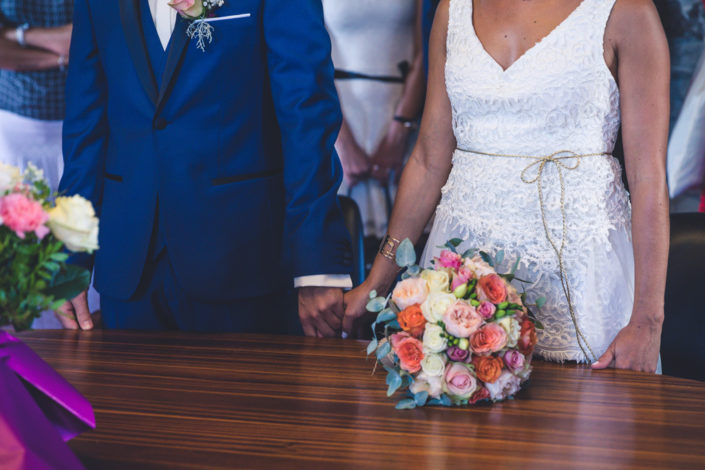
{"x":39,"y":411}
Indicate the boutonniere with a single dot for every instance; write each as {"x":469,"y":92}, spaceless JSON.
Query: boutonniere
{"x":198,"y":12}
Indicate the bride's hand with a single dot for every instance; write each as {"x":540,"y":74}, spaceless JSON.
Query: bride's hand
{"x":636,"y":347}
{"x":357,"y":319}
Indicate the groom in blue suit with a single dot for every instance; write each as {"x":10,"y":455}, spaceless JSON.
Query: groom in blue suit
{"x":212,"y":171}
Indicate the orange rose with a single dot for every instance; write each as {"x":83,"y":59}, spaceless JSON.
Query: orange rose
{"x":527,"y":337}
{"x":409,"y":350}
{"x":491,"y":288}
{"x":488,"y":369}
{"x":489,"y":338}
{"x":412,"y":321}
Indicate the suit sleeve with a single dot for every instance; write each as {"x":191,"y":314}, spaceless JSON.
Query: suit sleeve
{"x":85,"y":130}
{"x":309,"y":117}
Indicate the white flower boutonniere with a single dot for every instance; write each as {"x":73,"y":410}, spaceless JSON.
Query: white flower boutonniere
{"x":198,"y":13}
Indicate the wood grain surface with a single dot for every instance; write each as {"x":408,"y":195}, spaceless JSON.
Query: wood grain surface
{"x":173,"y":400}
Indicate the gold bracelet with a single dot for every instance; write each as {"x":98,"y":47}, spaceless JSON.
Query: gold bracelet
{"x":388,"y":248}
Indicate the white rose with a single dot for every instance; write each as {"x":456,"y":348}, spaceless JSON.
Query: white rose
{"x":433,"y":364}
{"x":435,"y":306}
{"x":73,"y":221}
{"x":432,"y":339}
{"x":505,"y":386}
{"x":479,"y":266}
{"x":10,"y":176}
{"x":513,"y":329}
{"x":438,"y":281}
{"x":426,"y":383}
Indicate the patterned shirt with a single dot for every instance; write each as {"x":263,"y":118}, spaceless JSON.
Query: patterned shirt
{"x":35,"y":94}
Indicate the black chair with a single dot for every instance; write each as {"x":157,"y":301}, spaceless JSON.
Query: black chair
{"x":683,"y":341}
{"x":353,"y":221}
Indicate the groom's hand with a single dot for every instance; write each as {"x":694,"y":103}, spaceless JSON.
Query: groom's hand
{"x":75,"y":313}
{"x":321,"y":311}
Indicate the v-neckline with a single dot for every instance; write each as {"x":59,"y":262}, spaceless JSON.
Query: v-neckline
{"x":529,"y":50}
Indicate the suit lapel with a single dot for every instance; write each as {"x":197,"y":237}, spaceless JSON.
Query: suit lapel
{"x":177,"y":51}
{"x":134,"y":35}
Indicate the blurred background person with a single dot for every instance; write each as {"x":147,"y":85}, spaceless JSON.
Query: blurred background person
{"x":34,"y":50}
{"x":380,"y":78}
{"x":35,"y":36}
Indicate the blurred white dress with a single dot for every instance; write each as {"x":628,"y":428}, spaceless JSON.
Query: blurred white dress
{"x":370,"y":37}
{"x":559,"y":95}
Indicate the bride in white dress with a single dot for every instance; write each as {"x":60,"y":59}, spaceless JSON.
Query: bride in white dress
{"x":524,"y":104}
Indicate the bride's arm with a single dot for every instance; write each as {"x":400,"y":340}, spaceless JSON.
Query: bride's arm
{"x":424,"y":175}
{"x":643,"y":72}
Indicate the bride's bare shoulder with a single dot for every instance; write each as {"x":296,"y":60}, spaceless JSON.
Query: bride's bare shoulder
{"x":633,"y":19}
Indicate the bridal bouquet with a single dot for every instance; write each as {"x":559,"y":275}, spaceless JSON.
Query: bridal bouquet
{"x":457,"y":334}
{"x":35,"y":227}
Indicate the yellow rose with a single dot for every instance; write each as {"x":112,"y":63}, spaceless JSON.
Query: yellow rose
{"x":513,"y":329}
{"x":73,"y":222}
{"x":438,"y":281}
{"x":435,"y":306}
{"x":10,"y":176}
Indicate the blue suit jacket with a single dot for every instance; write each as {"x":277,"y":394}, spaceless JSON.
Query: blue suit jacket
{"x":235,"y":148}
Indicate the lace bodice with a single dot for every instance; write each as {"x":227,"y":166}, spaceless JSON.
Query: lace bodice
{"x":560,"y":95}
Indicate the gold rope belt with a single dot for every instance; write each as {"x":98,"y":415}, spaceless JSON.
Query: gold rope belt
{"x":559,"y":159}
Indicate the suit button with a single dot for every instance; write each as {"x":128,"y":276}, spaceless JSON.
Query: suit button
{"x":160,"y":124}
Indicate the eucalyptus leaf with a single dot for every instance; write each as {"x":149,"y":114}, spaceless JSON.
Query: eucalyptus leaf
{"x":445,"y":400}
{"x":541,"y":301}
{"x":538,"y":324}
{"x":487,"y":258}
{"x":469,"y":253}
{"x":406,"y":404}
{"x":376,"y":305}
{"x":405,"y":275}
{"x":515,"y":266}
{"x":394,"y":324}
{"x":421,"y":398}
{"x":383,"y":350}
{"x":386,"y":315}
{"x":499,"y":257}
{"x":373,"y":294}
{"x":372,"y":346}
{"x":455,"y":241}
{"x":406,"y":256}
{"x":394,"y":382}
{"x":450,"y":246}
{"x":414,"y":270}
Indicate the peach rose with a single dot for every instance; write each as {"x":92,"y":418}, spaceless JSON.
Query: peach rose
{"x":412,"y":321}
{"x":491,"y":288}
{"x":527,"y":337}
{"x":488,"y":369}
{"x":409,"y":350}
{"x":461,"y":320}
{"x":409,"y":292}
{"x":489,"y":338}
{"x":190,"y":8}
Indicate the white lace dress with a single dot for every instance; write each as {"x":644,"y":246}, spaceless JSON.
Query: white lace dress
{"x":559,"y":95}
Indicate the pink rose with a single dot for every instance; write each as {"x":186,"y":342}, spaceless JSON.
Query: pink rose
{"x":192,"y":8}
{"x":514,"y":360}
{"x":462,"y":276}
{"x":449,"y":259}
{"x":22,"y":215}
{"x":490,"y":338}
{"x":410,"y":292}
{"x":458,"y":381}
{"x":486,"y":310}
{"x":461,"y":320}
{"x":504,"y":387}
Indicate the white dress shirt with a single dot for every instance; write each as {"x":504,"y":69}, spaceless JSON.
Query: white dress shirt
{"x":164,"y":20}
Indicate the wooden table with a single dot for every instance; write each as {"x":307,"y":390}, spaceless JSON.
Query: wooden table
{"x":171,"y":400}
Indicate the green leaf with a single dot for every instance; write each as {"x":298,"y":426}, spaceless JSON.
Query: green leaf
{"x":394,"y":382}
{"x":515,"y":267}
{"x":538,"y":324}
{"x":455,"y":242}
{"x":386,"y":315}
{"x":541,"y":301}
{"x":469,"y":253}
{"x":376,"y":305}
{"x":499,"y":258}
{"x":69,"y":282}
{"x":421,"y":398}
{"x":414,"y":270}
{"x":394,"y":324}
{"x":406,"y":256}
{"x":373,"y":294}
{"x":487,"y":258}
{"x":406,"y":404}
{"x":59,"y":257}
{"x":383,"y":350}
{"x":372,"y":346}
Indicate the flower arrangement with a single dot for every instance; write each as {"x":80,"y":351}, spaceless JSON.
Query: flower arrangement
{"x":457,"y":334}
{"x":35,"y":227}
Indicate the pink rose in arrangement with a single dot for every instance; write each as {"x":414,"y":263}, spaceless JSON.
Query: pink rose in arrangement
{"x":459,"y":382}
{"x":491,"y":288}
{"x":23,"y":215}
{"x":409,"y":350}
{"x":410,"y":292}
{"x":490,"y":338}
{"x":514,"y":360}
{"x":192,"y":8}
{"x":481,"y":394}
{"x":456,"y":354}
{"x":486,"y":309}
{"x":504,"y":387}
{"x":461,"y":320}
{"x":462,"y":276}
{"x":448,"y":259}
